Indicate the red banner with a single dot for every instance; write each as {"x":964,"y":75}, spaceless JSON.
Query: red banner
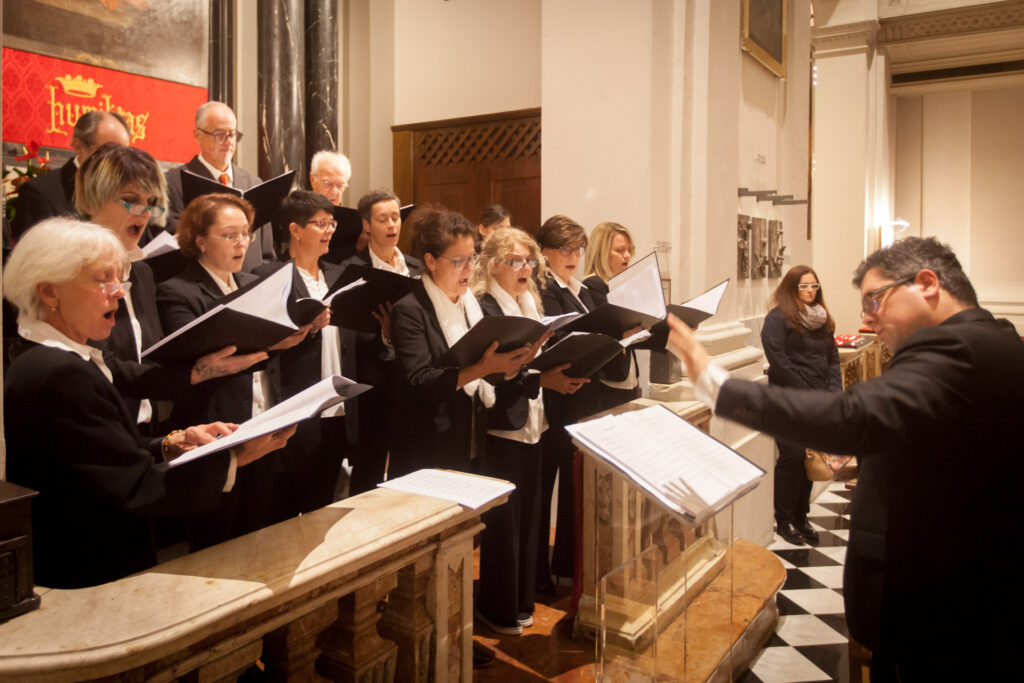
{"x":43,"y":98}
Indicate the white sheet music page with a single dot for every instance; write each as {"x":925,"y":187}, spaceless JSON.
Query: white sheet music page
{"x":709,"y":300}
{"x":163,"y":243}
{"x":638,"y":288}
{"x":465,"y":489}
{"x":677,"y":463}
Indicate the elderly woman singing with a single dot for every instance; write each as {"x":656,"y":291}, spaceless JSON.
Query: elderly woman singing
{"x":70,"y":435}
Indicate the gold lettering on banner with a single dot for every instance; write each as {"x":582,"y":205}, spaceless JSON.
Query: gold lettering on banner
{"x":64,"y":113}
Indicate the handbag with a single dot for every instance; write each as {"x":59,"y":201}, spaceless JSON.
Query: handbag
{"x":825,"y":466}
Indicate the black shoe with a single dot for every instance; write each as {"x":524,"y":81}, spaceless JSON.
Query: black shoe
{"x":807,"y":531}
{"x":790,"y":533}
{"x":481,"y":657}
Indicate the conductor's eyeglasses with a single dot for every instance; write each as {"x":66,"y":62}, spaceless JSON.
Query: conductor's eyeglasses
{"x":872,"y":300}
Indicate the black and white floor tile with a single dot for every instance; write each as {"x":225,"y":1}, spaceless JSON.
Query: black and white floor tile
{"x":811,"y":641}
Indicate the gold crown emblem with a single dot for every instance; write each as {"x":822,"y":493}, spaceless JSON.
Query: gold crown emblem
{"x":78,"y":86}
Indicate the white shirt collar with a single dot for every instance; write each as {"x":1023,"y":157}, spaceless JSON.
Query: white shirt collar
{"x":225,"y":288}
{"x":45,"y":334}
{"x":215,"y":172}
{"x":574,"y":285}
{"x":381,"y":264}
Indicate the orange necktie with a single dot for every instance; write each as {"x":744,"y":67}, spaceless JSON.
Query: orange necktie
{"x":225,"y":179}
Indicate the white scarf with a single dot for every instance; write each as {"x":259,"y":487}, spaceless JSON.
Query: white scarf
{"x":812,"y":317}
{"x":456,"y":318}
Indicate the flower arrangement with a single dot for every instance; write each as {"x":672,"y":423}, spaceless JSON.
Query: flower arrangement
{"x":15,"y":177}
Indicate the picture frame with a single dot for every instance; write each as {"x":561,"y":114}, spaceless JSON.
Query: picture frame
{"x":764,"y":33}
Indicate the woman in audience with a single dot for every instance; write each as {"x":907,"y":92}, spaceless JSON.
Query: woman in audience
{"x":309,"y":467}
{"x":122,"y":189}
{"x":505,"y":284}
{"x":608,"y":254}
{"x":801,"y":352}
{"x":213,"y":234}
{"x":442,"y":405}
{"x":491,"y":218}
{"x":69,"y":434}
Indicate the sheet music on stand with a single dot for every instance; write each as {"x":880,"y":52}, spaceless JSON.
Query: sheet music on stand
{"x":470,"y":490}
{"x":690,"y":472}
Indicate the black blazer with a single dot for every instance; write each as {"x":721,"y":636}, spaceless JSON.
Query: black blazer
{"x":260,"y":250}
{"x":134,"y":380}
{"x":618,"y":369}
{"x":512,"y":399}
{"x":44,"y":196}
{"x":945,"y":417}
{"x":439,"y":422}
{"x":71,"y":437}
{"x":365,"y":355}
{"x":181,"y":300}
{"x":808,"y":359}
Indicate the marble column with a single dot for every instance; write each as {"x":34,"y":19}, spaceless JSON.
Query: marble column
{"x":222,"y":51}
{"x":279,"y":85}
{"x":321,"y":76}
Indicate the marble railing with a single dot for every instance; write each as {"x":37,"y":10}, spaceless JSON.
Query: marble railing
{"x":377,"y":587}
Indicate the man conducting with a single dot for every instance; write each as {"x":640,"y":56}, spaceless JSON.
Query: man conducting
{"x":933,"y":592}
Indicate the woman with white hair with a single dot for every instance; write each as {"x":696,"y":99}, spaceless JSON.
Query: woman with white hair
{"x":505,"y":285}
{"x":70,"y":435}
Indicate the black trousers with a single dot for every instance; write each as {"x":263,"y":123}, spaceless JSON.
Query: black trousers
{"x":792,"y":487}
{"x":508,"y":546}
{"x":368,"y":456}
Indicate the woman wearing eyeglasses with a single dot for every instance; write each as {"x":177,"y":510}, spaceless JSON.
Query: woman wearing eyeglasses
{"x":308,"y":468}
{"x":504,"y":282}
{"x":442,"y":407}
{"x":122,"y":189}
{"x":69,"y":434}
{"x":213,"y":234}
{"x":798,"y":342}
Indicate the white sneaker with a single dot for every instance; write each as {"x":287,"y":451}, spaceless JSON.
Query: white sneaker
{"x":525,"y":619}
{"x":497,"y":628}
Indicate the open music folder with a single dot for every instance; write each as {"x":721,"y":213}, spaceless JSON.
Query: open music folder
{"x":265,"y":197}
{"x":635,"y":298}
{"x":693,"y":474}
{"x":692,"y":312}
{"x":163,"y":256}
{"x":510,"y":331}
{"x":354,"y":311}
{"x":586,"y":352}
{"x":308,"y":403}
{"x":253,"y":318}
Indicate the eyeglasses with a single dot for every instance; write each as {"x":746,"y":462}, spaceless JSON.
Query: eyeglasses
{"x":518,"y":263}
{"x":809,"y":286}
{"x":872,"y":300}
{"x":112,"y":288}
{"x":334,"y":186}
{"x":463,"y":261}
{"x":571,"y":251}
{"x":324,"y":225}
{"x":142,"y":209}
{"x":237,"y":238}
{"x":222,"y":136}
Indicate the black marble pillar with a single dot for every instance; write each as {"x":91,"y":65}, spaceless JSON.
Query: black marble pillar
{"x":222,"y":51}
{"x":280,"y":77}
{"x":321,"y":77}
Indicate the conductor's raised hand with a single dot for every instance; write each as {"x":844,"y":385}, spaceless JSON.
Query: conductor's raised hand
{"x":254,"y":449}
{"x":683,"y":344}
{"x":556,"y":380}
{"x":224,"y":362}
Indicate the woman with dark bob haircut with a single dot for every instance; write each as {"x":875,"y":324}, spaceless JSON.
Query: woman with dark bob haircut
{"x":71,"y":437}
{"x":801,"y":352}
{"x":213,"y":234}
{"x":443,"y":406}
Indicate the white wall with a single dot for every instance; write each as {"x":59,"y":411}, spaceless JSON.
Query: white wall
{"x":456,"y":59}
{"x":959,"y":179}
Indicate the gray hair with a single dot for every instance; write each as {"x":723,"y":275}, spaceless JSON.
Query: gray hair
{"x":333,"y":159}
{"x":55,"y":251}
{"x":89,"y":122}
{"x":910,"y":255}
{"x":206,"y":107}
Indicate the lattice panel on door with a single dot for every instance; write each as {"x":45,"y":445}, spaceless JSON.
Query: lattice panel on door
{"x":501,"y":141}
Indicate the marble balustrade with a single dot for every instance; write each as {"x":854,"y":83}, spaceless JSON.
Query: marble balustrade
{"x":377,"y":588}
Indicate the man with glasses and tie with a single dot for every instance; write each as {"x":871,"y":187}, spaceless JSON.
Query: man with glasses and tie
{"x":930,"y":583}
{"x":216,"y":132}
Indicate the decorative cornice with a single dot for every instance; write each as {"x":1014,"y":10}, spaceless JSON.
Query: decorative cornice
{"x":977,"y":19}
{"x":858,"y":33}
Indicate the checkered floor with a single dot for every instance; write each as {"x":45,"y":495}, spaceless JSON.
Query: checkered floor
{"x":810,"y":642}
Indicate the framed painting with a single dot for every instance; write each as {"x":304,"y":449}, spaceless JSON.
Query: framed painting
{"x":764,"y":33}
